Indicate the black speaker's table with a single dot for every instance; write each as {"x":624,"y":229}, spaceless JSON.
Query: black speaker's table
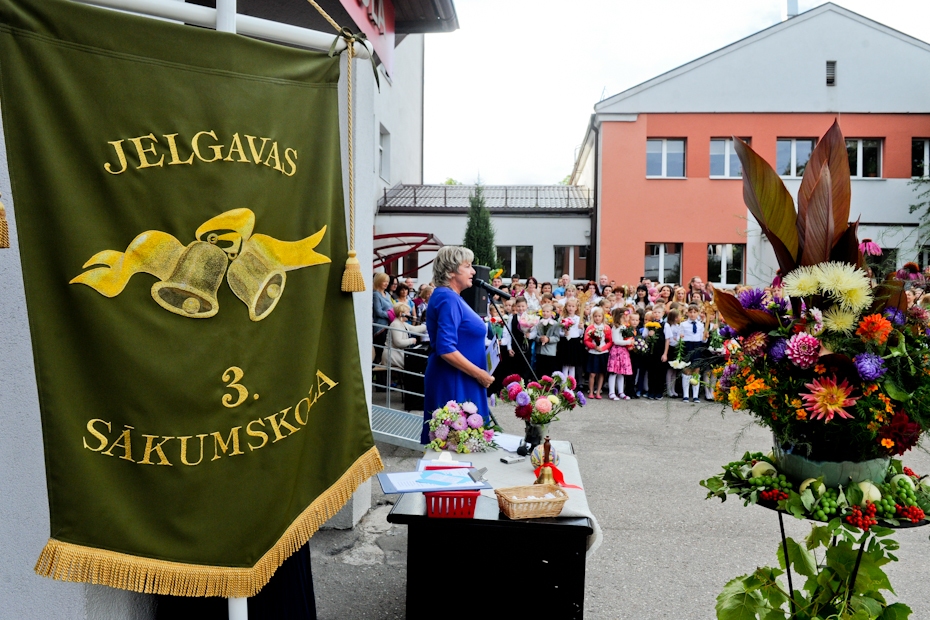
{"x":533,"y":564}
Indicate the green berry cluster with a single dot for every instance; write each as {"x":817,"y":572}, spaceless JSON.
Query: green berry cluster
{"x":779,"y":482}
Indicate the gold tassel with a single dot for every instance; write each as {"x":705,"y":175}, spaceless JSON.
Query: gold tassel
{"x":70,"y":562}
{"x":352,"y":280}
{"x":5,"y":230}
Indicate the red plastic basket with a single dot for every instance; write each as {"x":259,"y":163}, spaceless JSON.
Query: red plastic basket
{"x":451,"y":504}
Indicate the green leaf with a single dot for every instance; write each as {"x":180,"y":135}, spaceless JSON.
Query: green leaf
{"x":895,"y":392}
{"x":802,"y":560}
{"x":742,"y":320}
{"x":807,"y":499}
{"x":740,"y":600}
{"x":867,"y":604}
{"x":819,"y":537}
{"x":831,"y":153}
{"x":854,"y":495}
{"x":818,"y":225}
{"x":897,"y":465}
{"x":768,"y":200}
{"x":793,"y":505}
{"x":896,"y":611}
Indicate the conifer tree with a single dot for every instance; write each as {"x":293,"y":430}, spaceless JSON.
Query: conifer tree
{"x":479,"y":232}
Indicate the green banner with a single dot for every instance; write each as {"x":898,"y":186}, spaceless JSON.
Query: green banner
{"x":178,"y":199}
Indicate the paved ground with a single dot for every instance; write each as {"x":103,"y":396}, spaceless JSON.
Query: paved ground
{"x":667,"y":551}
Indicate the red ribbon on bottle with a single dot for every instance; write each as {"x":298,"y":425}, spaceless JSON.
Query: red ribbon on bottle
{"x":556,"y":475}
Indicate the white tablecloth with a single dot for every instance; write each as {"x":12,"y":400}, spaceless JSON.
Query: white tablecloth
{"x":501,"y":475}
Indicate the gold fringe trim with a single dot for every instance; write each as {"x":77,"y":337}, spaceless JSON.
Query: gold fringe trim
{"x":69,"y":562}
{"x":352,"y":281}
{"x":5,"y":230}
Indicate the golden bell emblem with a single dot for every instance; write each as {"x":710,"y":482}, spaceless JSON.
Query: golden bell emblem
{"x":257,"y":280}
{"x":191,"y":289}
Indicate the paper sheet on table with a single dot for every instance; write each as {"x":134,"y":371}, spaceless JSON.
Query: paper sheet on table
{"x":430,"y":480}
{"x":510,"y":443}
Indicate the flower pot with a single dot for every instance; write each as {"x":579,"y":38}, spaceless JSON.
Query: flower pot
{"x":535,"y":433}
{"x":835,"y":473}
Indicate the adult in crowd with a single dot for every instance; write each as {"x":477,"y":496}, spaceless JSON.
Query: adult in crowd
{"x":602,"y":282}
{"x":421,"y":301}
{"x":564,"y":281}
{"x":400,"y":336}
{"x":641,"y":296}
{"x":531,"y":294}
{"x":457,"y":366}
{"x":697,"y":286}
{"x":382,"y":303}
{"x":403,"y":297}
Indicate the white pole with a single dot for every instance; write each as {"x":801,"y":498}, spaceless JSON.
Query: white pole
{"x":243,"y":24}
{"x":238,"y":609}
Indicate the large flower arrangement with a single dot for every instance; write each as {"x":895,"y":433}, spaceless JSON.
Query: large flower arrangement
{"x":542,"y":402}
{"x":459,"y":427}
{"x":836,"y":368}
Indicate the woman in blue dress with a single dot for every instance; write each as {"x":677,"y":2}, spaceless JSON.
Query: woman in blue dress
{"x":457,"y":365}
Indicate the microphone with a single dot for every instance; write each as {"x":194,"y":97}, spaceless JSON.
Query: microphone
{"x":491,"y":289}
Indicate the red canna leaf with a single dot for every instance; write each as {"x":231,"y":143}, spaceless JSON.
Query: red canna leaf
{"x":770,"y":203}
{"x":818,"y":229}
{"x":830,"y":152}
{"x":846,"y":249}
{"x":890,"y":294}
{"x":739,"y":318}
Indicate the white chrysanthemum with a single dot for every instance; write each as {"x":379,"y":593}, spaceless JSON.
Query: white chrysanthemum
{"x":839,"y":320}
{"x":801,"y":282}
{"x":855,"y":299}
{"x":838,"y":278}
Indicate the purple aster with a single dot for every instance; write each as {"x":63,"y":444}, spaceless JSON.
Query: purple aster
{"x":523,"y":399}
{"x":894,"y":315}
{"x":460,"y":424}
{"x":752,"y":299}
{"x":475,"y":421}
{"x":779,"y":307}
{"x":441,"y":433}
{"x":727,"y":332}
{"x":583,"y":401}
{"x":778,"y":350}
{"x":728,"y":371}
{"x":870,"y":366}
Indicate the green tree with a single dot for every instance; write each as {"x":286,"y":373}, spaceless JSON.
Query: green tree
{"x":567,"y":180}
{"x":451,"y":181}
{"x":479,"y":232}
{"x":921,"y":187}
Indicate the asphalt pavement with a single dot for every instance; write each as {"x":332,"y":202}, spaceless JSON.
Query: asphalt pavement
{"x":667,"y":552}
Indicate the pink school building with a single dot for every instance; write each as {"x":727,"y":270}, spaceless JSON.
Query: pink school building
{"x":668,"y":183}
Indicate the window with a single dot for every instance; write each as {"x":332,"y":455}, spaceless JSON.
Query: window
{"x":831,"y":73}
{"x":665,"y":158}
{"x":724,"y":163}
{"x":725,"y":263}
{"x":570,"y":259}
{"x":663,"y":262}
{"x":516,"y":259}
{"x":412,"y":264}
{"x":792,"y":155}
{"x":865,"y":157}
{"x":920,"y":158}
{"x":384,"y":155}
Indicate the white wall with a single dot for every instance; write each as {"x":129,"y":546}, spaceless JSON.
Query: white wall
{"x":881,"y":206}
{"x":542,"y":232}
{"x":783,"y":69}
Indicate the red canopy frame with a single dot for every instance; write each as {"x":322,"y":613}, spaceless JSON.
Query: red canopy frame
{"x":390,"y":247}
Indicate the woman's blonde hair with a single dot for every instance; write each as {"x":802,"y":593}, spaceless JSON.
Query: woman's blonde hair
{"x":401,"y":308}
{"x":448,"y":260}
{"x":379,"y":279}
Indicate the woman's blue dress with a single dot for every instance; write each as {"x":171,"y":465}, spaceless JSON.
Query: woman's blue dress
{"x":452,"y":326}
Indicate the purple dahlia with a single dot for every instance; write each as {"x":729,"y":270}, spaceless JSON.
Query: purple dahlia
{"x":895,"y":316}
{"x":752,"y":299}
{"x":778,"y":350}
{"x":870,"y":366}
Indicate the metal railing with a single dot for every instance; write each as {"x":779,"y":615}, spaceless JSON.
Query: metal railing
{"x":390,"y":422}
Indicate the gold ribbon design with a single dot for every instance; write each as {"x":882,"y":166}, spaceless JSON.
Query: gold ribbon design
{"x":189,"y":276}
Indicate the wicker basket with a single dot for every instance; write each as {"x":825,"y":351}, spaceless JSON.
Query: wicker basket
{"x":522,"y":508}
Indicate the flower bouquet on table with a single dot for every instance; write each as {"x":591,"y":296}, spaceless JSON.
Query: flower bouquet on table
{"x":459,"y":427}
{"x":837,"y":371}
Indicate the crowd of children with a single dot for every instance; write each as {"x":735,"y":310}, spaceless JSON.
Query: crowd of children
{"x":639,"y":341}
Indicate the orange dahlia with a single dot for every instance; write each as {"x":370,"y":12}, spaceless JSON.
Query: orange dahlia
{"x":827,"y":399}
{"x":874,"y":328}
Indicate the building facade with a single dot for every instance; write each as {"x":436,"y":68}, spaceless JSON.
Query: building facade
{"x":667,"y":181}
{"x":540,"y":230}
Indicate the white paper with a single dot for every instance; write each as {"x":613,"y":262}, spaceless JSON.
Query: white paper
{"x":493,"y":353}
{"x":437,"y":480}
{"x":510,"y":443}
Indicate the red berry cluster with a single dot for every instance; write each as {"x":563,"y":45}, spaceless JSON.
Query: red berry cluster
{"x":773,"y":495}
{"x":863,"y":520}
{"x":912,"y":513}
{"x":910,"y":472}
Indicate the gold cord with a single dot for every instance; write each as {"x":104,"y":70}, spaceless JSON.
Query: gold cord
{"x":352,"y":280}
